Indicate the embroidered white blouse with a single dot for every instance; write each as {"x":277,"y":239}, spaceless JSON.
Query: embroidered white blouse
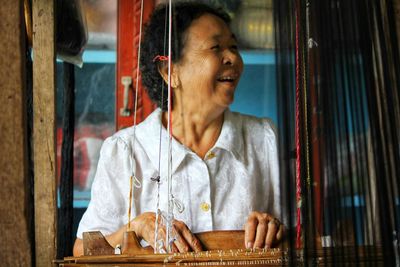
{"x":238,"y":175}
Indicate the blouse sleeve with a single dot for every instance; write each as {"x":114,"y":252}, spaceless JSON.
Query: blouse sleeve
{"x":107,"y":207}
{"x":272,"y":150}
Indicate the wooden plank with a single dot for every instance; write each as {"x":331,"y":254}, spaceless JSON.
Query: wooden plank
{"x":15,"y":248}
{"x":44,"y":144}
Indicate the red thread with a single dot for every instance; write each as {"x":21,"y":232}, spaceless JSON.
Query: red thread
{"x":297,"y":134}
{"x":160,"y":58}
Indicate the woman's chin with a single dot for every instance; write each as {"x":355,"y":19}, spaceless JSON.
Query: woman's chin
{"x":230,"y":96}
{"x":227,"y":101}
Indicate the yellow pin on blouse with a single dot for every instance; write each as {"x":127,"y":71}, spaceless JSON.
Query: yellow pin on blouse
{"x":205,"y":206}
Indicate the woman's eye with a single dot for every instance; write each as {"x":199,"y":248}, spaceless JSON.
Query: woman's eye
{"x":215,"y":47}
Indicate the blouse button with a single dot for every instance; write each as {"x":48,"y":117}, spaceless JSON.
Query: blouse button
{"x":210,"y":155}
{"x":205,"y":206}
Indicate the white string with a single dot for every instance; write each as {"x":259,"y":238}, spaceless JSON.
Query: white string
{"x":137,"y":77}
{"x":138,"y":66}
{"x":136,"y":182}
{"x":170,"y":215}
{"x":177,"y":204}
{"x":159,"y":244}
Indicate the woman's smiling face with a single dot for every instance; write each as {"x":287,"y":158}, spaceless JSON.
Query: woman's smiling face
{"x":210,"y":66}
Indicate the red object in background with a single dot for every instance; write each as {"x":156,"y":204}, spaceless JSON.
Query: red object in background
{"x":127,"y":57}
{"x":87,"y":143}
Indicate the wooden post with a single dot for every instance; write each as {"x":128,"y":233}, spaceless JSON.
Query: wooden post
{"x":44,"y":140}
{"x":15,"y":244}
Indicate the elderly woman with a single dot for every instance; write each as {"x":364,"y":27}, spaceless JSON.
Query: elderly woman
{"x":224,"y":164}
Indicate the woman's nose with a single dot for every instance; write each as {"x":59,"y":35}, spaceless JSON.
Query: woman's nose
{"x":230,"y":57}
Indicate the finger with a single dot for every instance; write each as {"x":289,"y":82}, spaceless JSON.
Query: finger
{"x":174,"y":248}
{"x":149,"y":238}
{"x":280,"y":233}
{"x":143,"y":226}
{"x":271,"y":233}
{"x":180,"y":242}
{"x":262,"y":228}
{"x":148,"y":234}
{"x":190,"y":238}
{"x":250,"y":231}
{"x":161,"y":246}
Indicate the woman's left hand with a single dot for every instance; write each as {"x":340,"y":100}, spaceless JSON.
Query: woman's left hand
{"x":262,"y":230}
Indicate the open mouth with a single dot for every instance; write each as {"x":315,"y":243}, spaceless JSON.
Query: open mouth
{"x":227,"y":78}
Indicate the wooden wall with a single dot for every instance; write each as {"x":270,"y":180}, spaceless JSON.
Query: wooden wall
{"x":15,"y":244}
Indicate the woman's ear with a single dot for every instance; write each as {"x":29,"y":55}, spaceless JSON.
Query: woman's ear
{"x":163,"y":70}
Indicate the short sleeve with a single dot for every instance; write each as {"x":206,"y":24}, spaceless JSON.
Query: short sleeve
{"x":107,"y":207}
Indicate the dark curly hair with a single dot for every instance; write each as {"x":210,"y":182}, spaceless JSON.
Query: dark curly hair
{"x":155,"y":42}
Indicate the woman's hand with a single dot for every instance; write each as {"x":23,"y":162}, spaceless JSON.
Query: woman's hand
{"x":262,"y":230}
{"x":144,"y":226}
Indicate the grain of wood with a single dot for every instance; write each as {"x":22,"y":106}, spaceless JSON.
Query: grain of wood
{"x":44,"y":130}
{"x":15,"y":247}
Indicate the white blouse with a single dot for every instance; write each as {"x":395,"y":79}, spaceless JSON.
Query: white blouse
{"x":238,"y":175}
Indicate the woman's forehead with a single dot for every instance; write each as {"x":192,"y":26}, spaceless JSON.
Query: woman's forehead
{"x":208,"y":26}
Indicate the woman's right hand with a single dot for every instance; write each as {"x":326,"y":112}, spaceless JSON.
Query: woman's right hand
{"x":144,"y":226}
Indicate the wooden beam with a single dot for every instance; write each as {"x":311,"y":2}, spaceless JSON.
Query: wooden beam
{"x":44,"y":144}
{"x":15,"y":244}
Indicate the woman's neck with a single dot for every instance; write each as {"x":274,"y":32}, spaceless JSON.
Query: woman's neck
{"x":198,"y":130}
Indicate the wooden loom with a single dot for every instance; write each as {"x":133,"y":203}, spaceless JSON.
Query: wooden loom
{"x":222,"y":248}
{"x":225,"y":248}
